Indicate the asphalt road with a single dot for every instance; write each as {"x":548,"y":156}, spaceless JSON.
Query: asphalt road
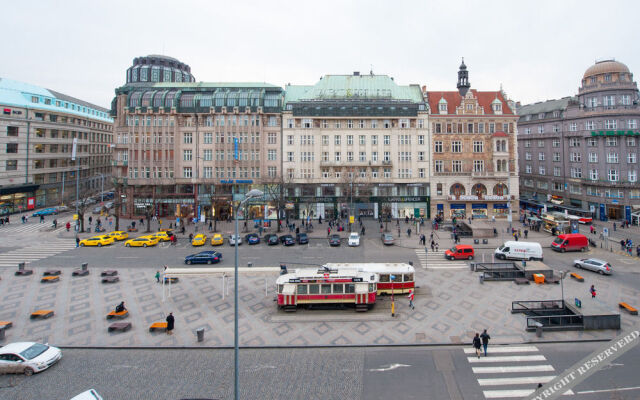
{"x":437,"y":373}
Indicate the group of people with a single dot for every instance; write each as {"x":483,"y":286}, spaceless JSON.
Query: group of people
{"x":627,"y":245}
{"x":481,"y":341}
{"x":4,"y":220}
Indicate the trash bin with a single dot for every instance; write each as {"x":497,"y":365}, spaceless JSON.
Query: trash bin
{"x":200,"y":334}
{"x":472,"y":267}
{"x":481,"y":279}
{"x":538,"y":329}
{"x":21,"y":266}
{"x":249,"y":264}
{"x":476,"y":241}
{"x":85,"y":266}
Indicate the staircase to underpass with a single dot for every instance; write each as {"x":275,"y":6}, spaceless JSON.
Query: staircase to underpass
{"x":550,"y":314}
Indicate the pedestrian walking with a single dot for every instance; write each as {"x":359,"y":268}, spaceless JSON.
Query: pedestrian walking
{"x":409,"y":232}
{"x":362,"y":231}
{"x":77,"y":241}
{"x":328,"y":231}
{"x":398,"y":232}
{"x":526,"y":233}
{"x":24,"y":219}
{"x":477,"y":344}
{"x":110,"y":222}
{"x":42,"y":219}
{"x":170,"y":323}
{"x":90,"y":220}
{"x":410,"y":296}
{"x":437,"y":247}
{"x":158,"y":276}
{"x":614,"y":226}
{"x":638,"y":251}
{"x":210,"y":226}
{"x":433,"y":245}
{"x":68,"y":226}
{"x":592,"y":290}
{"x":485,"y":341}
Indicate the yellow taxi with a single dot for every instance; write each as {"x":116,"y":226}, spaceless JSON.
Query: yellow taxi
{"x":142,"y":241}
{"x":102,"y":240}
{"x":119,"y":235}
{"x":217,"y":239}
{"x":199,"y":240}
{"x":164,"y":236}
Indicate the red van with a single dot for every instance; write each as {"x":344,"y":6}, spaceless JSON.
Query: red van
{"x":460,"y":252}
{"x":570,"y":242}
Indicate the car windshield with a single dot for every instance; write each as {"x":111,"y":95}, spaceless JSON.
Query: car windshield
{"x":34,"y":351}
{"x":453,"y":250}
{"x":558,"y":241}
{"x":501,"y":247}
{"x":354,"y":236}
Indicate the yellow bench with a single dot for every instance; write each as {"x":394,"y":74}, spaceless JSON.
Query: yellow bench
{"x":158,"y":326}
{"x":47,"y":279}
{"x":6,"y":324}
{"x":627,"y":307}
{"x":577,"y":277}
{"x":44,"y":314}
{"x":121,"y":314}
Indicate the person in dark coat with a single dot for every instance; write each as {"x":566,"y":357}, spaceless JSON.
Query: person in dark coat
{"x":477,"y":344}
{"x":485,"y":341}
{"x":170,"y":323}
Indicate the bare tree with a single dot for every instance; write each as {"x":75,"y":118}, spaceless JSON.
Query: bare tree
{"x":119,"y":189}
{"x":274,"y":190}
{"x":84,"y":201}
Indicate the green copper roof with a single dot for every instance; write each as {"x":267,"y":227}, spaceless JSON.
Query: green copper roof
{"x":215,"y":85}
{"x":348,"y":87}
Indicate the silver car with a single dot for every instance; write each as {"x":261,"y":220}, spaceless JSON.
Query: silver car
{"x":595,"y":265}
{"x":387,"y":239}
{"x":232,"y":240}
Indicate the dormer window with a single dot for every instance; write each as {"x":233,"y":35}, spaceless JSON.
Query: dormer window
{"x":541,"y":116}
{"x":442,"y":106}
{"x":496,"y":106}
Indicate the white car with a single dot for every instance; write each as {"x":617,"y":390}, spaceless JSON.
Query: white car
{"x":232,"y":240}
{"x":90,"y":394}
{"x":354,"y":239}
{"x":27,"y":357}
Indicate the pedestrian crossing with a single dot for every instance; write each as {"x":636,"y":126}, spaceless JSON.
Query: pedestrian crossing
{"x":35,"y":252}
{"x":16,"y":228}
{"x":518,"y":375}
{"x":435,"y":260}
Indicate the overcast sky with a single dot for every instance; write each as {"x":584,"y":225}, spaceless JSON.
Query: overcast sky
{"x":536,"y":50}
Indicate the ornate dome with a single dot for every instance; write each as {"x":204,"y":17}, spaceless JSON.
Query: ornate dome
{"x":605,"y":67}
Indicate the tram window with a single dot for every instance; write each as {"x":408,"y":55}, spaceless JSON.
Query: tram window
{"x":302,"y":289}
{"x":314,"y":289}
{"x":280,"y":288}
{"x":408,"y":277}
{"x":372,"y":287}
{"x":384,"y":278}
{"x":326,"y":289}
{"x":350,"y":288}
{"x":338,"y":288}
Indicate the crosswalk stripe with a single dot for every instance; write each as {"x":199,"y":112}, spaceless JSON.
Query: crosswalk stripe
{"x":521,"y":380}
{"x":537,"y":357}
{"x":500,"y":394}
{"x":448,"y":267}
{"x":505,"y":349}
{"x":512,"y":369}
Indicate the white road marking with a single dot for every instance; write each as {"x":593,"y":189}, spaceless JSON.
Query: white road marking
{"x":505,"y":349}
{"x":537,"y":357}
{"x":498,"y":394}
{"x":610,"y":390}
{"x":512,"y":369}
{"x":389,"y":368}
{"x":523,"y":380}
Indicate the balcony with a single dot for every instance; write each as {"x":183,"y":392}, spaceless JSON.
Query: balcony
{"x":490,"y":174}
{"x":449,"y":173}
{"x":118,"y":163}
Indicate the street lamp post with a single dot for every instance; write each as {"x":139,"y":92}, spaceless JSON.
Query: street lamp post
{"x":102,"y":189}
{"x":250,"y":195}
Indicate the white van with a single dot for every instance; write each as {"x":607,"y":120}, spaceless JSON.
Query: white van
{"x":519,"y":251}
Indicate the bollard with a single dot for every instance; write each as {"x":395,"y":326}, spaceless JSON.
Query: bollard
{"x":200,"y":333}
{"x":539,"y":330}
{"x":85,"y":266}
{"x":472,"y":267}
{"x":481,"y":279}
{"x":20,"y":266}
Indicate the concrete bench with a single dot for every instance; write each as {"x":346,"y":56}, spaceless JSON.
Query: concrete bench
{"x":627,"y":307}
{"x":521,"y":281}
{"x":50,"y":279}
{"x":577,"y":277}
{"x":43,"y":314}
{"x":80,"y":272}
{"x":119,"y":327}
{"x":158,"y":326}
{"x":110,"y":279}
{"x":109,"y":272}
{"x":6,"y":324}
{"x":555,"y":280}
{"x":52,"y":272}
{"x":119,"y":315}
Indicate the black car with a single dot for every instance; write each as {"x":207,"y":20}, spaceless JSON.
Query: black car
{"x":302,"y":238}
{"x":271,"y":239}
{"x":252,"y":238}
{"x":334,"y":240}
{"x":287,"y":240}
{"x":205,"y":257}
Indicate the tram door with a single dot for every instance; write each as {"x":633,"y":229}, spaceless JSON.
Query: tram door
{"x":362,"y":292}
{"x":289,"y":295}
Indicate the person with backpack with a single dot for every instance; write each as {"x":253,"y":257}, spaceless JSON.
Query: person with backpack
{"x":485,"y":341}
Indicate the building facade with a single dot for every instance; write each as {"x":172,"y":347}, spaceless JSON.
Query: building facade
{"x":355,"y":145}
{"x":580,"y":153}
{"x":38,"y":127}
{"x":474,"y":146}
{"x":187,"y":149}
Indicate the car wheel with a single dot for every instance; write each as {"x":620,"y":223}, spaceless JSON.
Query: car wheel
{"x":188,"y":262}
{"x":470,"y":258}
{"x":562,"y":250}
{"x":127,"y":244}
{"x":144,"y":245}
{"x":28,"y":371}
{"x":601,"y":272}
{"x":81,"y":244}
{"x":209,"y":262}
{"x":578,"y":265}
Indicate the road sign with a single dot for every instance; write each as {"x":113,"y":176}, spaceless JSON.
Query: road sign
{"x":605,"y":232}
{"x":75,"y":217}
{"x":351,"y":219}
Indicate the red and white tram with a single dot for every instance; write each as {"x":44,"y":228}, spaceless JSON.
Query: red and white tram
{"x":327,"y":286}
{"x":404,"y":275}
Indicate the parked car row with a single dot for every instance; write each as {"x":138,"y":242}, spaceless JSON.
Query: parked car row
{"x":50,"y":211}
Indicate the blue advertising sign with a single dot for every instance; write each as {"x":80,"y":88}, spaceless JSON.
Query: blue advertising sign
{"x":235,"y":149}
{"x":603,"y":213}
{"x":627,"y":213}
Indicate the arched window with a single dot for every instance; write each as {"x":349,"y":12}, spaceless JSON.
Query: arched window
{"x":479,"y":190}
{"x":500,"y":190}
{"x":457,"y":189}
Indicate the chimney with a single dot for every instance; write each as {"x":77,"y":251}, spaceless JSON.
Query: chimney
{"x":356,"y":73}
